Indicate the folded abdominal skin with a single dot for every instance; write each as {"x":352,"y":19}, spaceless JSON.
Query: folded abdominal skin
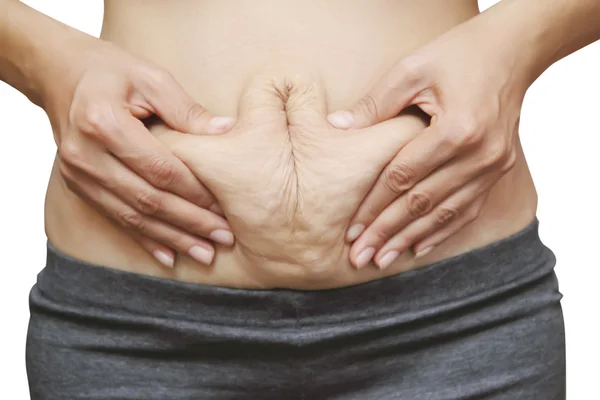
{"x":287,"y":181}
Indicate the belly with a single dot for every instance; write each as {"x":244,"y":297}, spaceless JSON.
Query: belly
{"x":287,"y":182}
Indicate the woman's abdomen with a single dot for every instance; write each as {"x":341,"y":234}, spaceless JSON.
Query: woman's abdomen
{"x":214,"y":49}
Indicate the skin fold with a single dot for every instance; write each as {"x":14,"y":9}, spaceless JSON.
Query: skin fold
{"x":125,"y":196}
{"x":439,"y":182}
{"x":287,"y":181}
{"x":115,"y":198}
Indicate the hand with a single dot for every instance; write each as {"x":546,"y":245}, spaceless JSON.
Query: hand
{"x":109,"y":158}
{"x":466,"y":80}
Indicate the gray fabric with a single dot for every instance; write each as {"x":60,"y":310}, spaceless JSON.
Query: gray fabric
{"x":486,"y":324}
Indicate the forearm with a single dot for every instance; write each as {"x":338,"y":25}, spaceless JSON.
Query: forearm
{"x":544,"y":31}
{"x":33,"y":47}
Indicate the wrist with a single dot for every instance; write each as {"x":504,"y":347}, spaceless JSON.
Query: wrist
{"x":34,"y":49}
{"x":15,"y":56}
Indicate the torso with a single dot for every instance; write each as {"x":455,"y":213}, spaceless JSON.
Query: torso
{"x":287,"y":181}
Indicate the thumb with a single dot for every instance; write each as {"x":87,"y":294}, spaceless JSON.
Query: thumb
{"x":391,"y":94}
{"x":182,"y":113}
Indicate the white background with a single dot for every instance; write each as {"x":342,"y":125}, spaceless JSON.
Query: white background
{"x":560,"y":133}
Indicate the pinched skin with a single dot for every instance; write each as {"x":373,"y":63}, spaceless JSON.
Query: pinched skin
{"x":288,"y":182}
{"x":348,"y":46}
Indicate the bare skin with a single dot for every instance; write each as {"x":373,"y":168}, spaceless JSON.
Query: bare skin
{"x":94,"y":103}
{"x":275,"y":247}
{"x":471,"y":81}
{"x":287,"y":181}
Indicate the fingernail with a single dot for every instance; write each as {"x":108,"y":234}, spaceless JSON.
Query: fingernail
{"x":388,"y":259}
{"x":341,"y":119}
{"x":354,"y":232}
{"x":222,"y":236}
{"x":201,"y":254}
{"x":164,"y":258}
{"x":220,"y":123}
{"x":364,"y":257}
{"x":423,"y":252}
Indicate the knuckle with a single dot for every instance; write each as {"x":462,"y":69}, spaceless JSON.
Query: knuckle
{"x":494,"y":154}
{"x":383,"y":232}
{"x":446,"y":213}
{"x":193,"y":112}
{"x":98,"y":118}
{"x":131,"y":220}
{"x":404,"y":241}
{"x":155,"y":78}
{"x":369,"y":106}
{"x":464,"y":132}
{"x":418,"y":204}
{"x":149,"y":202}
{"x":398,"y":177}
{"x":410,"y":72}
{"x":162,"y":173}
{"x":410,"y":68}
{"x":70,"y":153}
{"x":370,"y":212}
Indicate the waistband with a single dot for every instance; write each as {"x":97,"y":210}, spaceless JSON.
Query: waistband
{"x":509,"y":263}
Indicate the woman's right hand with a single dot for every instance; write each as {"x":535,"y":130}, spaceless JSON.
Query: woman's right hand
{"x":109,"y":158}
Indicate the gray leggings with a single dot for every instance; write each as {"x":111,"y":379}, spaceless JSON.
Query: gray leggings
{"x":486,"y":324}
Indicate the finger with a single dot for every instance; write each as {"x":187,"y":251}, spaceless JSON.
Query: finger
{"x":414,"y":162}
{"x":421,"y":198}
{"x":426,"y":245}
{"x":159,"y":204}
{"x":392,"y":93}
{"x":452,"y":209}
{"x":129,"y":140}
{"x":180,"y":111}
{"x":363,"y":250}
{"x":163,"y":254}
{"x":133,"y":221}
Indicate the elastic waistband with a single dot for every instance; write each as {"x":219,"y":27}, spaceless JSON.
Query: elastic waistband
{"x":510,"y":262}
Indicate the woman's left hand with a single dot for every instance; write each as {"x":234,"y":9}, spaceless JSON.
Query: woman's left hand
{"x":470,"y":82}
